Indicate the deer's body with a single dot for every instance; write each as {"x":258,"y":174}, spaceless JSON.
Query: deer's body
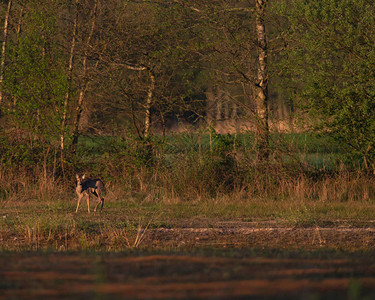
{"x":87,"y":186}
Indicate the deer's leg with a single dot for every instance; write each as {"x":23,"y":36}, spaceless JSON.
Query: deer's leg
{"x":88,"y":202}
{"x":97,"y":204}
{"x":101,"y":208}
{"x":79,"y":200}
{"x":100,"y":200}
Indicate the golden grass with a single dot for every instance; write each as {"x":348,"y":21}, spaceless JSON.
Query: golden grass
{"x":38,"y":211}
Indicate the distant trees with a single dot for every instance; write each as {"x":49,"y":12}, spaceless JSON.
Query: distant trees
{"x":108,"y":65}
{"x":146,"y":65}
{"x":329,"y":64}
{"x":121,"y":67}
{"x":235,"y":53}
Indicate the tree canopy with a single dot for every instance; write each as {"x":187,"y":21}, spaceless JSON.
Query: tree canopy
{"x":124,"y":67}
{"x":329,"y":65}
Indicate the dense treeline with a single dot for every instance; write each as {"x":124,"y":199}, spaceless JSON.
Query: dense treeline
{"x":329,"y":64}
{"x":118,"y":70}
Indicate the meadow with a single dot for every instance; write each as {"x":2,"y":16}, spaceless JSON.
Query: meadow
{"x":192,"y":216}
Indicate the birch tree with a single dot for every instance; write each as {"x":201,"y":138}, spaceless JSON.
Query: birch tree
{"x":261,"y":83}
{"x":3,"y":50}
{"x":85,"y":80}
{"x":69,"y":81}
{"x":237,"y":53}
{"x":144,"y":68}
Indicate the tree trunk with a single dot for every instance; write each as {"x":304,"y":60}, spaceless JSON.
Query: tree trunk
{"x":69,"y":79}
{"x":149,"y":104}
{"x":150,"y":93}
{"x":19,"y":24}
{"x":18,"y":33}
{"x":261,"y":86}
{"x":2,"y":63}
{"x":84,"y":83}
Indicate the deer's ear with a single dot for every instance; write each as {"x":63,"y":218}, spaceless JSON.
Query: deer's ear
{"x":83,"y":176}
{"x":77,"y":176}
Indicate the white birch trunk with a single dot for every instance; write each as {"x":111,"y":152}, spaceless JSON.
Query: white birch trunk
{"x":3,"y":53}
{"x":261,"y":88}
{"x":150,"y":93}
{"x":149,"y":104}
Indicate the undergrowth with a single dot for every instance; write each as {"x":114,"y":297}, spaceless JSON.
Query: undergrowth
{"x":185,"y":181}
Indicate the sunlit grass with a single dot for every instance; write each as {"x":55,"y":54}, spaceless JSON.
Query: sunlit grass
{"x":191,"y":182}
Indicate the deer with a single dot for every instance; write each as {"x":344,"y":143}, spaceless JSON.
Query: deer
{"x":87,"y":186}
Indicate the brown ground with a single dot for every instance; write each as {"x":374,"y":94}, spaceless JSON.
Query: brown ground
{"x":75,"y":276}
{"x":229,"y":261}
{"x":265,"y":234}
{"x":221,"y":235}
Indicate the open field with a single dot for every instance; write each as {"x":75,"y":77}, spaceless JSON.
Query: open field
{"x":186,"y":251}
{"x":52,"y":224}
{"x":192,"y":225}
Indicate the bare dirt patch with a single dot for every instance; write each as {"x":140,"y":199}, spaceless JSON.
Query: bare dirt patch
{"x":221,"y":235}
{"x":264,"y":234}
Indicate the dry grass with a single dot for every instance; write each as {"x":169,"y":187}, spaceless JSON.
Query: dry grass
{"x":37,"y":212}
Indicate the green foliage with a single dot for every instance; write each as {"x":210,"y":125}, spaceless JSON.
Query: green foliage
{"x":160,"y":38}
{"x":117,"y":159}
{"x":34,"y":79}
{"x":223,"y":143}
{"x":330,"y":66}
{"x":36,"y":86}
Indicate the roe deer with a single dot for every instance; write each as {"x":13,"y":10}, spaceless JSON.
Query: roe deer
{"x":87,"y":186}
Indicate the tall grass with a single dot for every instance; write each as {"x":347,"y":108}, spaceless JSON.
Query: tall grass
{"x":37,"y":212}
{"x":188,"y":169}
